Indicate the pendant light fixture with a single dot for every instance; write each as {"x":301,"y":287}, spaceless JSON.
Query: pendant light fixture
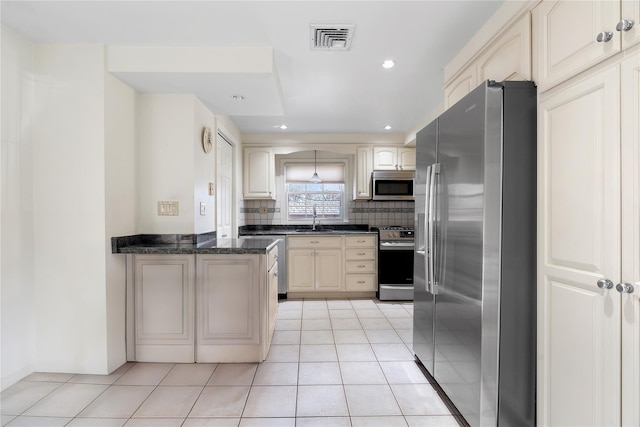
{"x":315,"y":178}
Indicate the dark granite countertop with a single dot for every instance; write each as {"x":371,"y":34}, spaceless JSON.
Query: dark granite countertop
{"x":294,"y":230}
{"x":189,"y":244}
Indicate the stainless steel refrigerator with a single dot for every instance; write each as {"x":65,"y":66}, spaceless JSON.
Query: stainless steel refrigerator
{"x":475,"y":253}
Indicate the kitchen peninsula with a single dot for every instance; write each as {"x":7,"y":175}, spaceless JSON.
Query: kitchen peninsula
{"x":195,"y":298}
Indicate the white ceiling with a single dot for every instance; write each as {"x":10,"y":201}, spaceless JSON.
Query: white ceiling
{"x":310,"y":91}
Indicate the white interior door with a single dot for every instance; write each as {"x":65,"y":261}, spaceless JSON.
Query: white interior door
{"x":224,"y":188}
{"x":579,"y":244}
{"x":630,"y":140}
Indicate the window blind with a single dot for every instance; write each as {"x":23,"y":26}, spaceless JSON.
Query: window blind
{"x":302,"y":172}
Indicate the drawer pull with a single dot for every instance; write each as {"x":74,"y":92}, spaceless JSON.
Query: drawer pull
{"x":362,"y":241}
{"x":314,"y":242}
{"x":361,"y":254}
{"x":361,"y":266}
{"x":361,"y":282}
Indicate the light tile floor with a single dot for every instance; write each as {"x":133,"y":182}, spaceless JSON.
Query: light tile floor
{"x":332,"y":363}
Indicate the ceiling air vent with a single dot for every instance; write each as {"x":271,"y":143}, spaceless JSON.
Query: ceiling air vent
{"x":331,"y":37}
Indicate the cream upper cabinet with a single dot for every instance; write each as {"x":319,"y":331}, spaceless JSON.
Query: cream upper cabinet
{"x":630,"y":149}
{"x":567,"y":34}
{"x":259,"y":173}
{"x":457,"y":88}
{"x":406,"y":158}
{"x":630,"y":32}
{"x":509,"y":57}
{"x":589,"y":249}
{"x":364,"y":167}
{"x":394,"y":158}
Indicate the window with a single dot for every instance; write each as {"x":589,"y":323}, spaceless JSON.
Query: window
{"x":326,"y":196}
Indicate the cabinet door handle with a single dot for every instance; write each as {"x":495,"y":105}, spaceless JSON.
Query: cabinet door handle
{"x":625,"y":25}
{"x":624,"y":288}
{"x":604,"y":36}
{"x":605,"y":284}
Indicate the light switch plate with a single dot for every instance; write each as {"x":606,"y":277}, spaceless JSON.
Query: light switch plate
{"x":168,"y":208}
{"x":203,"y":208}
{"x":212,"y":189}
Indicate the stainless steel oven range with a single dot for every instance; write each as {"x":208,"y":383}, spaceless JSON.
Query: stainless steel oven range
{"x":395,"y":263}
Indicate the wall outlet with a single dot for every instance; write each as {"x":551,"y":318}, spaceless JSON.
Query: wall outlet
{"x":262,"y":210}
{"x":203,"y":208}
{"x":168,"y":208}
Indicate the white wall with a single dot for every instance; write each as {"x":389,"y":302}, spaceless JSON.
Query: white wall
{"x":204,"y":170}
{"x":166,"y":162}
{"x":69,"y":209}
{"x":121,"y":191}
{"x":17,"y":280}
{"x":172,"y":164}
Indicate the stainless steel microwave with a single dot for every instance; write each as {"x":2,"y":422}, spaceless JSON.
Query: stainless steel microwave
{"x":392,"y":185}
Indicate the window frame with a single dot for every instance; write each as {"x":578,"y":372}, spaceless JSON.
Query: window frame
{"x":308,"y":220}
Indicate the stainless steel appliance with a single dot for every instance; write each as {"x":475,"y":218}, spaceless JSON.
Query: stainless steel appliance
{"x":395,"y":263}
{"x":475,"y":253}
{"x":392,"y":185}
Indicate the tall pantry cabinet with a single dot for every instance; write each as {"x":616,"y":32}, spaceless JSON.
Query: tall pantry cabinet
{"x":588,"y":75}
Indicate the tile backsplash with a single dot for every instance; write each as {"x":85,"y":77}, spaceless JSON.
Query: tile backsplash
{"x":359,"y":212}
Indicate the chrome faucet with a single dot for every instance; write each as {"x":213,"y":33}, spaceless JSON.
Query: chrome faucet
{"x":315,"y":216}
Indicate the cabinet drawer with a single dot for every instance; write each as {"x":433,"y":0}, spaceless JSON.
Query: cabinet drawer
{"x":314,"y":242}
{"x":360,"y":267}
{"x":361,"y":241}
{"x":358,"y":254}
{"x":361,"y":282}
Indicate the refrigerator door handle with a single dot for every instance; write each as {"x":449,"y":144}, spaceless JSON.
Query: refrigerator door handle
{"x":431,"y":278}
{"x":427,"y":241}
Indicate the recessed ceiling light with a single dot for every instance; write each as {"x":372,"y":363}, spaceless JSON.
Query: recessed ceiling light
{"x":388,"y":63}
{"x":283,"y":126}
{"x":387,"y":127}
{"x":237,"y":98}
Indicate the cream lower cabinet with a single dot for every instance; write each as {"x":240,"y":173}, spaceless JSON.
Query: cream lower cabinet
{"x":589,"y":242}
{"x":314,"y":263}
{"x":235,"y":308}
{"x":360,"y":263}
{"x":203,"y":308}
{"x":163,"y":308}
